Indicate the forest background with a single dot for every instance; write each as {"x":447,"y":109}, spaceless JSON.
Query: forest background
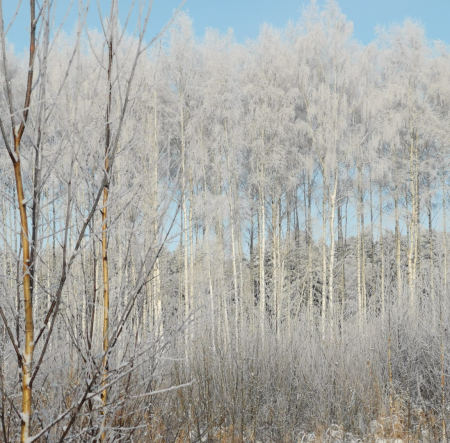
{"x":205,"y":240}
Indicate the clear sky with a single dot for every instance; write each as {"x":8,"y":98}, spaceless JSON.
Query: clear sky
{"x":246,"y":16}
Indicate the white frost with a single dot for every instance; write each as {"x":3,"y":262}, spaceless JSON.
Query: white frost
{"x":25,"y":416}
{"x":94,"y":397}
{"x":27,"y":358}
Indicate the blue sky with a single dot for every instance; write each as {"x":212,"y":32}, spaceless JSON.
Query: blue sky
{"x":246,"y":16}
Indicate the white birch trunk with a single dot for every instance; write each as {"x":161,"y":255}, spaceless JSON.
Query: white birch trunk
{"x":324,"y":255}
{"x":332,"y":248}
{"x":383,"y":303}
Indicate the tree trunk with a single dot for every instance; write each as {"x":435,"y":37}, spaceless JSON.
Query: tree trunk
{"x":275,"y":264}
{"x":412,"y":228}
{"x":363,"y":251}
{"x":358,"y":252}
{"x":332,"y":248}
{"x":231,"y":203}
{"x":431,"y":252}
{"x":156,"y":289}
{"x":26,"y":358}
{"x":251,"y":275}
{"x":383,"y":304}
{"x":184,"y":221}
{"x":262,"y":243}
{"x":310,"y":258}
{"x":398,"y":248}
{"x":324,"y":253}
{"x":444,"y":229}
{"x":341,"y":256}
{"x":262,"y":254}
{"x":105,"y":232}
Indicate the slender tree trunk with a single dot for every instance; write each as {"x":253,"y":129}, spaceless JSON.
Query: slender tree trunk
{"x":444,"y":229}
{"x":358,"y":252}
{"x":363,"y":251}
{"x":397,"y":236}
{"x":191,"y":252}
{"x":310,"y":261}
{"x":412,"y":228}
{"x":416,"y":262}
{"x":275,"y":263}
{"x":391,"y":385}
{"x":443,"y":409}
{"x":211,"y":293}
{"x":262,"y":254}
{"x":184,"y":217}
{"x":431,"y":252}
{"x":94,"y":288}
{"x":241,"y":274}
{"x":105,"y":232}
{"x":231,"y":204}
{"x":262,"y":243}
{"x":383,"y":304}
{"x":296,"y":221}
{"x":235,"y":277}
{"x":156,"y":289}
{"x":332,"y":249}
{"x":398,"y":249}
{"x":281,"y":269}
{"x":26,"y":359}
{"x":341,"y":255}
{"x":324,"y":253}
{"x":372,"y":244}
{"x":226,"y":331}
{"x":251,"y":274}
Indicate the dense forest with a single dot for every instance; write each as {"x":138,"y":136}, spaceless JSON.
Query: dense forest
{"x":206,"y":241}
